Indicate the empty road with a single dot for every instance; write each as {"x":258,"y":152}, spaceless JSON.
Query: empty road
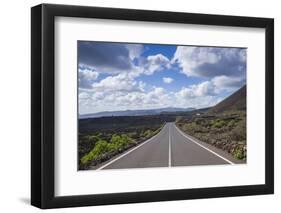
{"x":170,"y":147}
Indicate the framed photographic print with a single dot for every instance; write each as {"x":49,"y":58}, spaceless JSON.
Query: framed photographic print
{"x":139,"y":106}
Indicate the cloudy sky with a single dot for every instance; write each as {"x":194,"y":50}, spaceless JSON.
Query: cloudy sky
{"x":121,"y":76}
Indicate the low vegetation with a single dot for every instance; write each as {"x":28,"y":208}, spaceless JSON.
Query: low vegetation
{"x":97,"y":145}
{"x":101,"y":147}
{"x":223,"y":126}
{"x":226,"y":131}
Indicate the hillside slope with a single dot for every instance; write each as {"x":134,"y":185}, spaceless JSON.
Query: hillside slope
{"x":236,"y":101}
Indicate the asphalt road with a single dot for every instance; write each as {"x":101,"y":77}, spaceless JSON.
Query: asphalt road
{"x":170,"y":147}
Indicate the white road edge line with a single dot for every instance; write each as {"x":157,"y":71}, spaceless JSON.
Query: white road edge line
{"x":191,"y":139}
{"x":170,"y":145}
{"x":126,"y":153}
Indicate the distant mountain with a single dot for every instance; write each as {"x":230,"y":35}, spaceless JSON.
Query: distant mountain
{"x":236,"y":101}
{"x":136,"y":112}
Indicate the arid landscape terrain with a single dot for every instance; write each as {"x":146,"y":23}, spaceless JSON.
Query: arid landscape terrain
{"x":222,"y":126}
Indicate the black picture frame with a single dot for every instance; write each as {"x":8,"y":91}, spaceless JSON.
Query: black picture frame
{"x":43,"y":102}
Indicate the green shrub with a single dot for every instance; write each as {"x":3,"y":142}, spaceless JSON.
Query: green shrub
{"x":232,"y":123}
{"x":148,"y":133}
{"x":100,"y":148}
{"x":119,"y":141}
{"x":218,"y":123}
{"x":238,"y":153}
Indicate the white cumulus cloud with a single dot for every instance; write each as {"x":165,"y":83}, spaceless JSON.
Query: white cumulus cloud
{"x":168,"y":80}
{"x":86,"y":77}
{"x":210,"y":61}
{"x":155,"y":63}
{"x":203,"y":89}
{"x":111,"y":76}
{"x":120,"y":82}
{"x":228,"y":82}
{"x":135,"y":50}
{"x":106,"y":100}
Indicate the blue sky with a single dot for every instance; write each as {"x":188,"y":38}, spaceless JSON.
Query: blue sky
{"x":121,"y":76}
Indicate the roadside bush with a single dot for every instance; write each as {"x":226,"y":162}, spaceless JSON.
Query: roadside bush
{"x":232,"y":123}
{"x":219,"y":123}
{"x":100,"y":148}
{"x":117,"y":142}
{"x":148,"y":133}
{"x":86,"y":144}
{"x":238,"y":153}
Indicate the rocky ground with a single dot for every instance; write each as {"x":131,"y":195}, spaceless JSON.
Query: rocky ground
{"x":226,"y":131}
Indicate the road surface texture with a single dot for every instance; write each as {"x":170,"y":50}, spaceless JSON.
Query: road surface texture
{"x":170,"y":147}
